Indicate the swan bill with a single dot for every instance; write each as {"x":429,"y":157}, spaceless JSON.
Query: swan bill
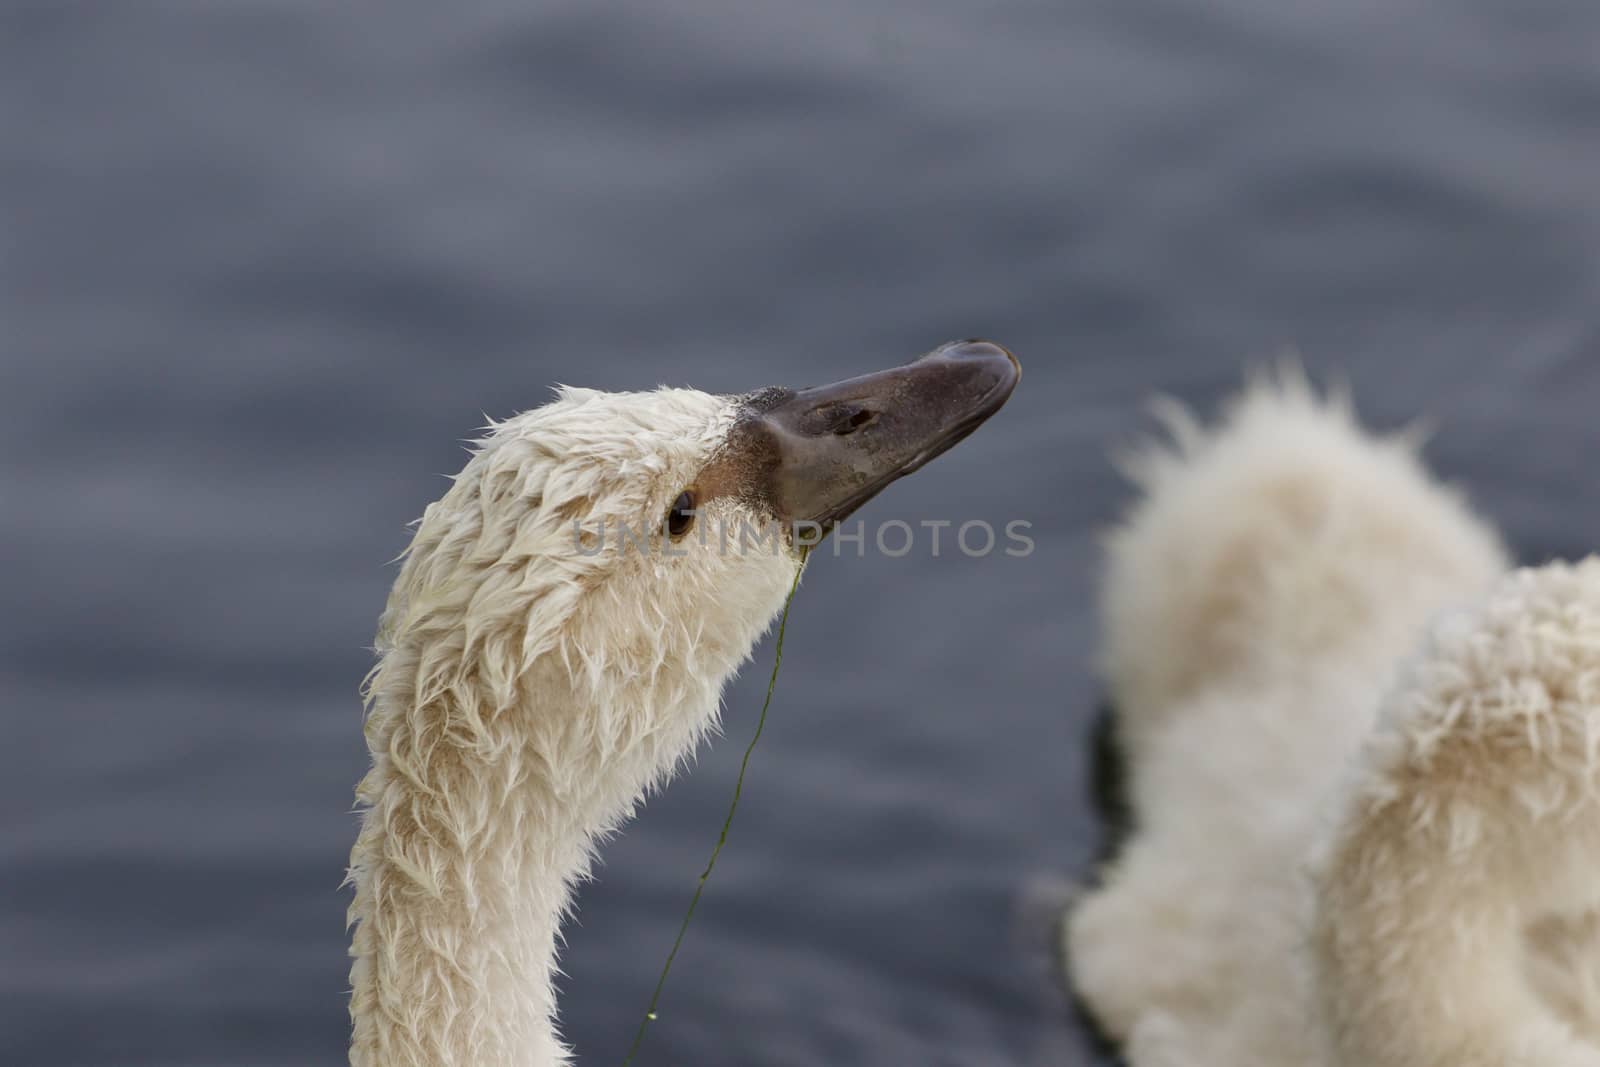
{"x":812,"y":457}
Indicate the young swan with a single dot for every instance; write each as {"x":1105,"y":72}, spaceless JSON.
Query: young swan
{"x":540,"y":669}
{"x":1257,"y":602}
{"x":1457,"y":919}
{"x":1348,"y":854}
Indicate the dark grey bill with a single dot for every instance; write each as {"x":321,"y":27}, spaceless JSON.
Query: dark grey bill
{"x":816,"y":455}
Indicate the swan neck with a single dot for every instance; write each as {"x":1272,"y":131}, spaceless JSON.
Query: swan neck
{"x":463,"y":872}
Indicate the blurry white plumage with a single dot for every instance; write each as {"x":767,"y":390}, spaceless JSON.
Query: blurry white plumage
{"x":1362,"y":761}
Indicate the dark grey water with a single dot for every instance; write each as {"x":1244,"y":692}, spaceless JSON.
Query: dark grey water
{"x":263,"y":264}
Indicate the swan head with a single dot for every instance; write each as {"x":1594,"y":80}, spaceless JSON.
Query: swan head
{"x":556,"y":642}
{"x":622,"y":552}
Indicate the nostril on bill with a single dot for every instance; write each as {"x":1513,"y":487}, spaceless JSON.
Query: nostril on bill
{"x":849,"y":425}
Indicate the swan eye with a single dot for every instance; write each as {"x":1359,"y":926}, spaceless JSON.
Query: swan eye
{"x":680,"y":520}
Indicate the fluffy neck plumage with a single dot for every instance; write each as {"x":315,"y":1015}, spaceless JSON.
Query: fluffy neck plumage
{"x":503,"y":744}
{"x":479,"y":820}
